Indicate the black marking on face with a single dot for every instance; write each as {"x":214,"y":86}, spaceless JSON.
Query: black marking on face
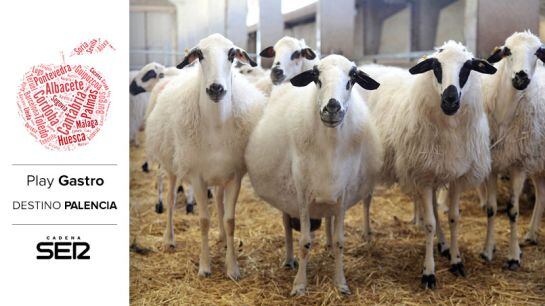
{"x":149,"y":75}
{"x":135,"y":89}
{"x":295,"y":55}
{"x":464,"y":73}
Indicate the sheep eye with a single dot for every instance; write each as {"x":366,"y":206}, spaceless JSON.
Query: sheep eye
{"x":348,"y":84}
{"x":318,"y":83}
{"x":506,"y":51}
{"x":295,"y":55}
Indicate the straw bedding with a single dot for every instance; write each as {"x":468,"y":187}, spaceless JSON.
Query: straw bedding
{"x":385,"y":270}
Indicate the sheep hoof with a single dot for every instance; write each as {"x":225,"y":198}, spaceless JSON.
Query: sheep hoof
{"x":298,"y":290}
{"x":189,"y":208}
{"x":343,"y":289}
{"x":205,"y":273}
{"x":210,"y":195}
{"x":180,"y":189}
{"x":512,"y":264}
{"x":458,"y":269}
{"x":444,"y":252}
{"x":145,"y":167}
{"x":428,"y":281}
{"x":485,"y":257}
{"x":234,"y":275}
{"x":291,"y":263}
{"x":530,"y":241}
{"x":159,"y":207}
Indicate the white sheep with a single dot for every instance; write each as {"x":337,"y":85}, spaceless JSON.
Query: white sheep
{"x":435,"y":132}
{"x":515,"y":104}
{"x":253,"y":74}
{"x":141,"y":84}
{"x":198,"y":131}
{"x":376,"y":71}
{"x":315,"y":153}
{"x":291,"y":56}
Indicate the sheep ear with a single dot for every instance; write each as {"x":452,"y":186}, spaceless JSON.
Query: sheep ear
{"x":423,"y":66}
{"x":308,"y":53}
{"x":267,"y":52}
{"x":134,"y":89}
{"x":243,"y":57}
{"x":482,"y":66}
{"x":193,"y":55}
{"x":149,"y":75}
{"x":304,"y":78}
{"x":363,"y":79}
{"x":497,"y":54}
{"x":540,"y":53}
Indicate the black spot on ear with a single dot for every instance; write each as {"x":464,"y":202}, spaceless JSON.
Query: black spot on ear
{"x":482,"y":66}
{"x":267,"y":52}
{"x":149,"y":75}
{"x":540,"y":53}
{"x":308,"y":53}
{"x":427,"y":65}
{"x":304,"y":78}
{"x":135,"y":89}
{"x":231,"y":54}
{"x":498,"y":54}
{"x":363,"y":79}
{"x":193,"y":55}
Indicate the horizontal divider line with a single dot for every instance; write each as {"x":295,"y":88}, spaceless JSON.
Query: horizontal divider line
{"x":64,"y":164}
{"x":45,"y":224}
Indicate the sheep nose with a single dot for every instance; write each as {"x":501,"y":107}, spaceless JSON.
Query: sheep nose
{"x":521,"y":80}
{"x":450,"y":100}
{"x":216,"y":89}
{"x":333,"y":106}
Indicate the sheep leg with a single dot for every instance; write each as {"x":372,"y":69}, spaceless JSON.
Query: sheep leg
{"x":491,"y":210}
{"x":290,"y":261}
{"x":328,"y":232}
{"x":456,"y":265}
{"x":305,"y":244}
{"x":231,"y":196}
{"x":366,"y":218}
{"x":442,"y":247}
{"x":221,"y":212}
{"x":539,"y":184}
{"x":417,"y":217}
{"x":338,"y":242}
{"x":189,"y":200}
{"x":159,"y":208}
{"x":169,"y":231}
{"x":200,"y":189}
{"x":426,"y":203}
{"x":518,"y":177}
{"x":481,"y":192}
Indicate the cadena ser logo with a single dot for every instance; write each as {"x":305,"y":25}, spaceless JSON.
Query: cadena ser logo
{"x":62,"y":247}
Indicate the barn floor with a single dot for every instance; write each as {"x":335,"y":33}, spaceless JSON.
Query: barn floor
{"x":385,"y":270}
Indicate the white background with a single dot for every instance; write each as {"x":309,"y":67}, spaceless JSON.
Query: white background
{"x":34,"y":32}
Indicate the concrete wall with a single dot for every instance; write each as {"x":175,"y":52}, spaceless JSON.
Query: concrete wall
{"x":153,"y":30}
{"x":396,"y":31}
{"x":307,"y":31}
{"x":451,"y":23}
